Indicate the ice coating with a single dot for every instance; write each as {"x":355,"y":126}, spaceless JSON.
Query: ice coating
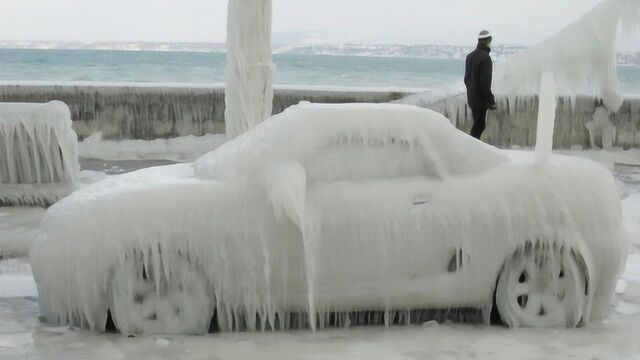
{"x":546,"y":119}
{"x":249,"y":81}
{"x":39,"y":160}
{"x":582,"y":57}
{"x":318,"y":214}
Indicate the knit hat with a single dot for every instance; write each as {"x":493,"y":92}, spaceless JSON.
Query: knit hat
{"x":484,"y":34}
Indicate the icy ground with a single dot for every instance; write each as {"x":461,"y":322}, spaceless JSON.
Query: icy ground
{"x":23,"y":336}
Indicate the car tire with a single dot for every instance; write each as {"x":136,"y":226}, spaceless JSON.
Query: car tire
{"x":163,"y":295}
{"x":541,"y":285}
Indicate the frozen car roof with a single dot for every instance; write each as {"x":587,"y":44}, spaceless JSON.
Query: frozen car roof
{"x":303,"y":129}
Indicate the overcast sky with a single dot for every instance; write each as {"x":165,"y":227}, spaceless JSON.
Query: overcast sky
{"x":408,"y":21}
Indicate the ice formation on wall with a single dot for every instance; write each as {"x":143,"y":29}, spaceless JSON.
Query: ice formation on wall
{"x":343,"y":208}
{"x":582,"y":57}
{"x":38,"y":157}
{"x":249,"y":88}
{"x":149,"y":112}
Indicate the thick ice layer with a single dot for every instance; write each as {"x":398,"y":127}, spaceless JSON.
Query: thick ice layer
{"x":39,"y":160}
{"x":318,"y":213}
{"x":249,"y":82}
{"x":582,"y":57}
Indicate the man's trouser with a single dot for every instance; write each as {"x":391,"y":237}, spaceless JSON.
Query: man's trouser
{"x":479,"y":122}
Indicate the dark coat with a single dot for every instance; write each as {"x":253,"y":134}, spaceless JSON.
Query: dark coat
{"x":478,"y":77}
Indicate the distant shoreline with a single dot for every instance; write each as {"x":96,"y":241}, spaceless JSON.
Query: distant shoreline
{"x":424,"y":51}
{"x":390,"y":50}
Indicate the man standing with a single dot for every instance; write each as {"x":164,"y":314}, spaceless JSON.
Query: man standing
{"x":477,"y":78}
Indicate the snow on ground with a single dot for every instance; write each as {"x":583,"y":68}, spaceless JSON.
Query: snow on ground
{"x":631,"y":211}
{"x":23,"y":336}
{"x":18,"y":228}
{"x":184,"y":148}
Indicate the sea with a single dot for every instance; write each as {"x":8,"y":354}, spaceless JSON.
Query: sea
{"x":107,"y":66}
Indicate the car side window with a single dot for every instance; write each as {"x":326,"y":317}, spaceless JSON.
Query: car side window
{"x":356,"y":159}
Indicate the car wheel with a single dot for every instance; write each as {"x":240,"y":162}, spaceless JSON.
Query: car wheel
{"x":541,"y":286}
{"x":165,"y":296}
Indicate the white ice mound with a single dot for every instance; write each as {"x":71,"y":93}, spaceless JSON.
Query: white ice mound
{"x":582,"y":57}
{"x":326,"y":215}
{"x":38,"y":157}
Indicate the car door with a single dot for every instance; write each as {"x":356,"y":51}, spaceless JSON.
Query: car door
{"x":371,"y":224}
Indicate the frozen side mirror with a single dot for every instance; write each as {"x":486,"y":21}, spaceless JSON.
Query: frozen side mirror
{"x":286,"y":186}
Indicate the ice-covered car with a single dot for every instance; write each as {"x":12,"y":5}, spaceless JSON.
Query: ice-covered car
{"x":326,"y":214}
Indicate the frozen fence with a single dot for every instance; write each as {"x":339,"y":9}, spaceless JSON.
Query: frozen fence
{"x":38,"y":157}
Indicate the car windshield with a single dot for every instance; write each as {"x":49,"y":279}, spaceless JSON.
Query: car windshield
{"x":352,"y":142}
{"x":462,"y":154}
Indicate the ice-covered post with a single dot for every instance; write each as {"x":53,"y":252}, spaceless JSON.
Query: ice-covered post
{"x":546,"y":118}
{"x":249,"y":88}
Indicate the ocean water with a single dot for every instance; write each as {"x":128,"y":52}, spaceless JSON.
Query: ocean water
{"x":199,"y":68}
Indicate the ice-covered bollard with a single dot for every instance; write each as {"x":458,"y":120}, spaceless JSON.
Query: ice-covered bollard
{"x":38,"y":155}
{"x":602,"y":132}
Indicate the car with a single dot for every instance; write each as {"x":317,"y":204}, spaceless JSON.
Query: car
{"x":328,"y":213}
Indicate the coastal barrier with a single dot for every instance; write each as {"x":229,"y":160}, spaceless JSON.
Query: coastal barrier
{"x":164,"y":111}
{"x":148,"y":112}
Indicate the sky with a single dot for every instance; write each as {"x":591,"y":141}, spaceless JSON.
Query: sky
{"x":514,"y":22}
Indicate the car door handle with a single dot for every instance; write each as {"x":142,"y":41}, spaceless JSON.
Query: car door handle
{"x":460,"y":258}
{"x":421,"y":199}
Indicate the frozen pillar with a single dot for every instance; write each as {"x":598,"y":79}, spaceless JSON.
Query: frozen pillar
{"x":249,"y":81}
{"x":546,"y":119}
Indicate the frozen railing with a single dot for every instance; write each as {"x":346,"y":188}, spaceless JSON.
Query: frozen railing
{"x":38,"y":155}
